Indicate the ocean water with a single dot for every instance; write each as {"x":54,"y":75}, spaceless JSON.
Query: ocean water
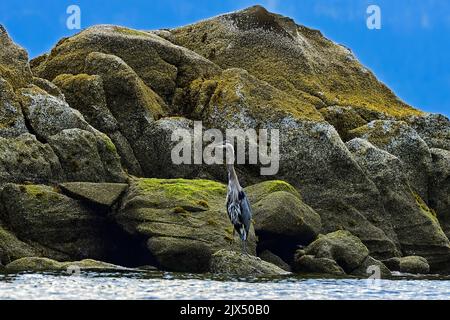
{"x":159,"y":285}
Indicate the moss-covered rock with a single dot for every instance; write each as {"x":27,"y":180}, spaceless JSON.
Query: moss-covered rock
{"x":86,"y":94}
{"x":311,"y":264}
{"x":85,"y":153}
{"x":12,"y":122}
{"x":181,"y":221}
{"x":313,"y":158}
{"x":343,"y":119}
{"x":282,"y":221}
{"x":399,"y":139}
{"x":36,"y":264}
{"x":433,"y":128}
{"x":292,"y":58}
{"x":48,"y":87}
{"x":414,"y":264}
{"x":341,"y":246}
{"x":104,"y":194}
{"x":24,"y":158}
{"x":268,"y":256}
{"x":14,"y":66}
{"x":259,"y":191}
{"x":11,"y":248}
{"x":59,"y":227}
{"x":160,"y":64}
{"x":371,"y":265}
{"x":439,"y":187}
{"x":238,"y":264}
{"x":85,"y":156}
{"x":415,"y":225}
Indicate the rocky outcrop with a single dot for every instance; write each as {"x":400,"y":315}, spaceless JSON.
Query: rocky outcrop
{"x":400,"y":140}
{"x":103,"y":105}
{"x":414,"y":264}
{"x":161,"y":65}
{"x":415,"y":225}
{"x":182,"y":221}
{"x":71,"y":268}
{"x":282,"y":221}
{"x":238,"y":264}
{"x":433,"y":128}
{"x":14,"y":66}
{"x":59,"y":227}
{"x":337,"y":253}
{"x":24,"y":158}
{"x":439,"y":188}
{"x":290,"y":57}
{"x":103,"y":194}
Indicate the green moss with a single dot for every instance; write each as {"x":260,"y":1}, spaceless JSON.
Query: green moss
{"x":261,"y":190}
{"x":130,"y":32}
{"x":194,"y":192}
{"x":314,"y":70}
{"x":424,"y":207}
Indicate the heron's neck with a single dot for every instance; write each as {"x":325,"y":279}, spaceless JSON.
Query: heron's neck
{"x":232,"y":176}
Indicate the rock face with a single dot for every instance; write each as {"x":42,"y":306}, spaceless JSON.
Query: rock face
{"x":416,"y":226}
{"x":238,"y":264}
{"x":337,"y":253}
{"x":14,"y":66}
{"x":95,"y":118}
{"x":414,"y":264}
{"x":103,"y":194}
{"x":400,"y":140}
{"x":182,"y":221}
{"x":292,"y":58}
{"x":45,"y":264}
{"x":61,"y":227}
{"x":282,"y":221}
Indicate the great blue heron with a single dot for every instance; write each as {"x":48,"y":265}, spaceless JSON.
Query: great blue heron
{"x":238,"y":207}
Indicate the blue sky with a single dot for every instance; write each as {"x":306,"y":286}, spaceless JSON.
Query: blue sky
{"x":410,"y":53}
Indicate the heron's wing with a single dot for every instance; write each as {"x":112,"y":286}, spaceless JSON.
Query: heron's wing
{"x":246,"y":210}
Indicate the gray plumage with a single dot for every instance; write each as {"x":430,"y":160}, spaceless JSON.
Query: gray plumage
{"x":238,"y":207}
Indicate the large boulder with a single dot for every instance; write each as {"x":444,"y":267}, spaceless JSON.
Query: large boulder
{"x":162,"y":65}
{"x":102,"y":194}
{"x":242,"y":265}
{"x":14,"y":66}
{"x":12,"y":122}
{"x":87,"y":156}
{"x":11,"y":248}
{"x":433,"y":128}
{"x":399,"y":139}
{"x":85,"y":93}
{"x":416,"y":226}
{"x":182,"y":222}
{"x":290,"y":57}
{"x":84,"y":152}
{"x":59,"y":227}
{"x":282,"y":221}
{"x":311,"y":264}
{"x":24,"y":158}
{"x":414,"y":264}
{"x":440,"y":187}
{"x":134,"y":105}
{"x":341,"y":246}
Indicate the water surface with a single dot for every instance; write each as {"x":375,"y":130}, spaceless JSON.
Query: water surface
{"x":158,"y":285}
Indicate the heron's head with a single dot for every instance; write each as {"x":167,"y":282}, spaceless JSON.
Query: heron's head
{"x":229,"y":150}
